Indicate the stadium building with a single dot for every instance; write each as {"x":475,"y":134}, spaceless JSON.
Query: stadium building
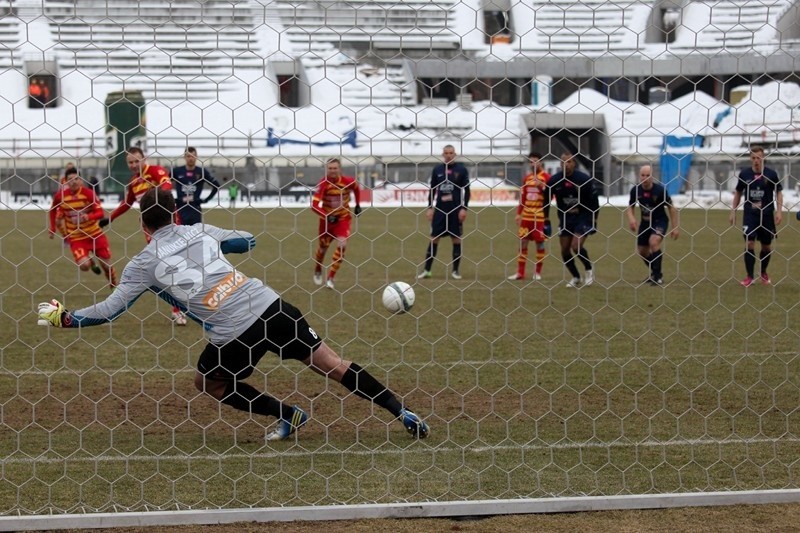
{"x":267,"y":90}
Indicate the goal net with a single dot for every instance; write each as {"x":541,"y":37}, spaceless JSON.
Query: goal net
{"x":641,"y":386}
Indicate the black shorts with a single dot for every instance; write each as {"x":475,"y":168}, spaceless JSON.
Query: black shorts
{"x":281,"y":330}
{"x":758,"y":227}
{"x":647,"y":228}
{"x":444,"y":224}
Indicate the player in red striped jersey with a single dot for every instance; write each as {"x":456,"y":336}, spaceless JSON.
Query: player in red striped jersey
{"x":331,"y":202}
{"x":79,"y":211}
{"x":144,"y":177}
{"x":530,"y":219}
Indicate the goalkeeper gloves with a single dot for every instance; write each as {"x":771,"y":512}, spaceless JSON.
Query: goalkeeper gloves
{"x":52,"y":313}
{"x":332,"y":219}
{"x":357,"y":210}
{"x":548,"y":228}
{"x":103,"y":222}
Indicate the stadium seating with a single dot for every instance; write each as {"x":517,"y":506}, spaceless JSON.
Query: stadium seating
{"x":590,"y":27}
{"x":731,"y":25}
{"x":9,"y":37}
{"x":150,"y":43}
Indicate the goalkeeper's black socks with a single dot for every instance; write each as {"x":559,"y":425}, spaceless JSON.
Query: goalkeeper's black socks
{"x":244,"y":397}
{"x":362,"y":384}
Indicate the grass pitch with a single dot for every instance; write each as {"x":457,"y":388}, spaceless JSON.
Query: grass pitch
{"x":531,"y":389}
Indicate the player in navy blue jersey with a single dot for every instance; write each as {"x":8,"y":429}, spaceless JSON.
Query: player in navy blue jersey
{"x":189,"y":181}
{"x":448,"y":199}
{"x":654,"y":202}
{"x":761,"y":189}
{"x":578,"y":205}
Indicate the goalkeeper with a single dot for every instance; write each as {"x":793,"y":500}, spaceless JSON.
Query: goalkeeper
{"x":242,"y":317}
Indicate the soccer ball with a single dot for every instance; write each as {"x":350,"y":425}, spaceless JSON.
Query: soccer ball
{"x":398,"y":297}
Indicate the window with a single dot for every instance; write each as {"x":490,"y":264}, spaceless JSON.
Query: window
{"x":42,"y":91}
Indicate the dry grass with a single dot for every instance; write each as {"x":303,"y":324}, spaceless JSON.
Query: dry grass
{"x":532,"y":390}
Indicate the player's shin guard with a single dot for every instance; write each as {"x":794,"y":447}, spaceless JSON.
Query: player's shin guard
{"x":456,"y":256}
{"x":362,"y":384}
{"x":750,"y":262}
{"x":433,"y":248}
{"x":764,"y":256}
{"x":583,"y":255}
{"x":244,"y":397}
{"x":569,"y":262}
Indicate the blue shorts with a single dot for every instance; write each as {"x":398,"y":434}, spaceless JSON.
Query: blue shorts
{"x":444,"y":224}
{"x":190,"y":215}
{"x":648,"y":228}
{"x":577,"y":225}
{"x":759,"y":227}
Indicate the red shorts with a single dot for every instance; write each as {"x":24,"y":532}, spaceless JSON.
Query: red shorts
{"x":337,"y":230}
{"x":532,"y":230}
{"x":97,"y":246}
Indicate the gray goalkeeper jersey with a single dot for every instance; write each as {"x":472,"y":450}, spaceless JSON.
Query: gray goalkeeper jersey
{"x":185,"y":266}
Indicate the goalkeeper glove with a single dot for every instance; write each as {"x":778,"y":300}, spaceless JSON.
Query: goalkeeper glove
{"x":332,"y":219}
{"x":53,"y":313}
{"x":103,"y":222}
{"x":548,"y":228}
{"x":357,"y":210}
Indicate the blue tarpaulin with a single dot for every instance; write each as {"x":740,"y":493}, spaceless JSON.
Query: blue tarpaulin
{"x":676,"y":158}
{"x":349,"y":138}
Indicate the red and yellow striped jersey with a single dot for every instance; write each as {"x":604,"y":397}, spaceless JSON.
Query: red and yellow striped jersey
{"x":151,"y":176}
{"x":332,"y":197}
{"x":80,"y":212}
{"x":531,"y":197}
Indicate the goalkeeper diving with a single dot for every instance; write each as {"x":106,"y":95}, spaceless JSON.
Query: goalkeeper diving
{"x":242,"y":317}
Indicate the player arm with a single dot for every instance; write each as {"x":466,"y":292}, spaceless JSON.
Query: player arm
{"x":466,"y":195}
{"x":53,"y":214}
{"x":674,"y":217}
{"x":96,"y":212}
{"x":213,"y":185}
{"x":737,"y":197}
{"x":231,"y":241}
{"x":629,"y":210}
{"x":123,"y":207}
{"x":131,"y":286}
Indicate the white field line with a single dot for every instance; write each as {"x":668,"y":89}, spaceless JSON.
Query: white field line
{"x":417,"y":366}
{"x":419,"y":450}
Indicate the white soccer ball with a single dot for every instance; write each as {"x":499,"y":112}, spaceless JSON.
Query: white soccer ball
{"x":398,"y":297}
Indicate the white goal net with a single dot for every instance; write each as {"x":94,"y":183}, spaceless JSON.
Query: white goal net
{"x":559,"y":386}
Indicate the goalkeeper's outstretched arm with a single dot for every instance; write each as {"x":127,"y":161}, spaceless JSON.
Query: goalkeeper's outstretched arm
{"x":131,"y":286}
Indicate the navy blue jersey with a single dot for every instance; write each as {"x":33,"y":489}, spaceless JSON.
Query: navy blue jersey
{"x":189,"y":186}
{"x":575,"y":195}
{"x":449,"y":187}
{"x":653,"y":202}
{"x":758,"y":191}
